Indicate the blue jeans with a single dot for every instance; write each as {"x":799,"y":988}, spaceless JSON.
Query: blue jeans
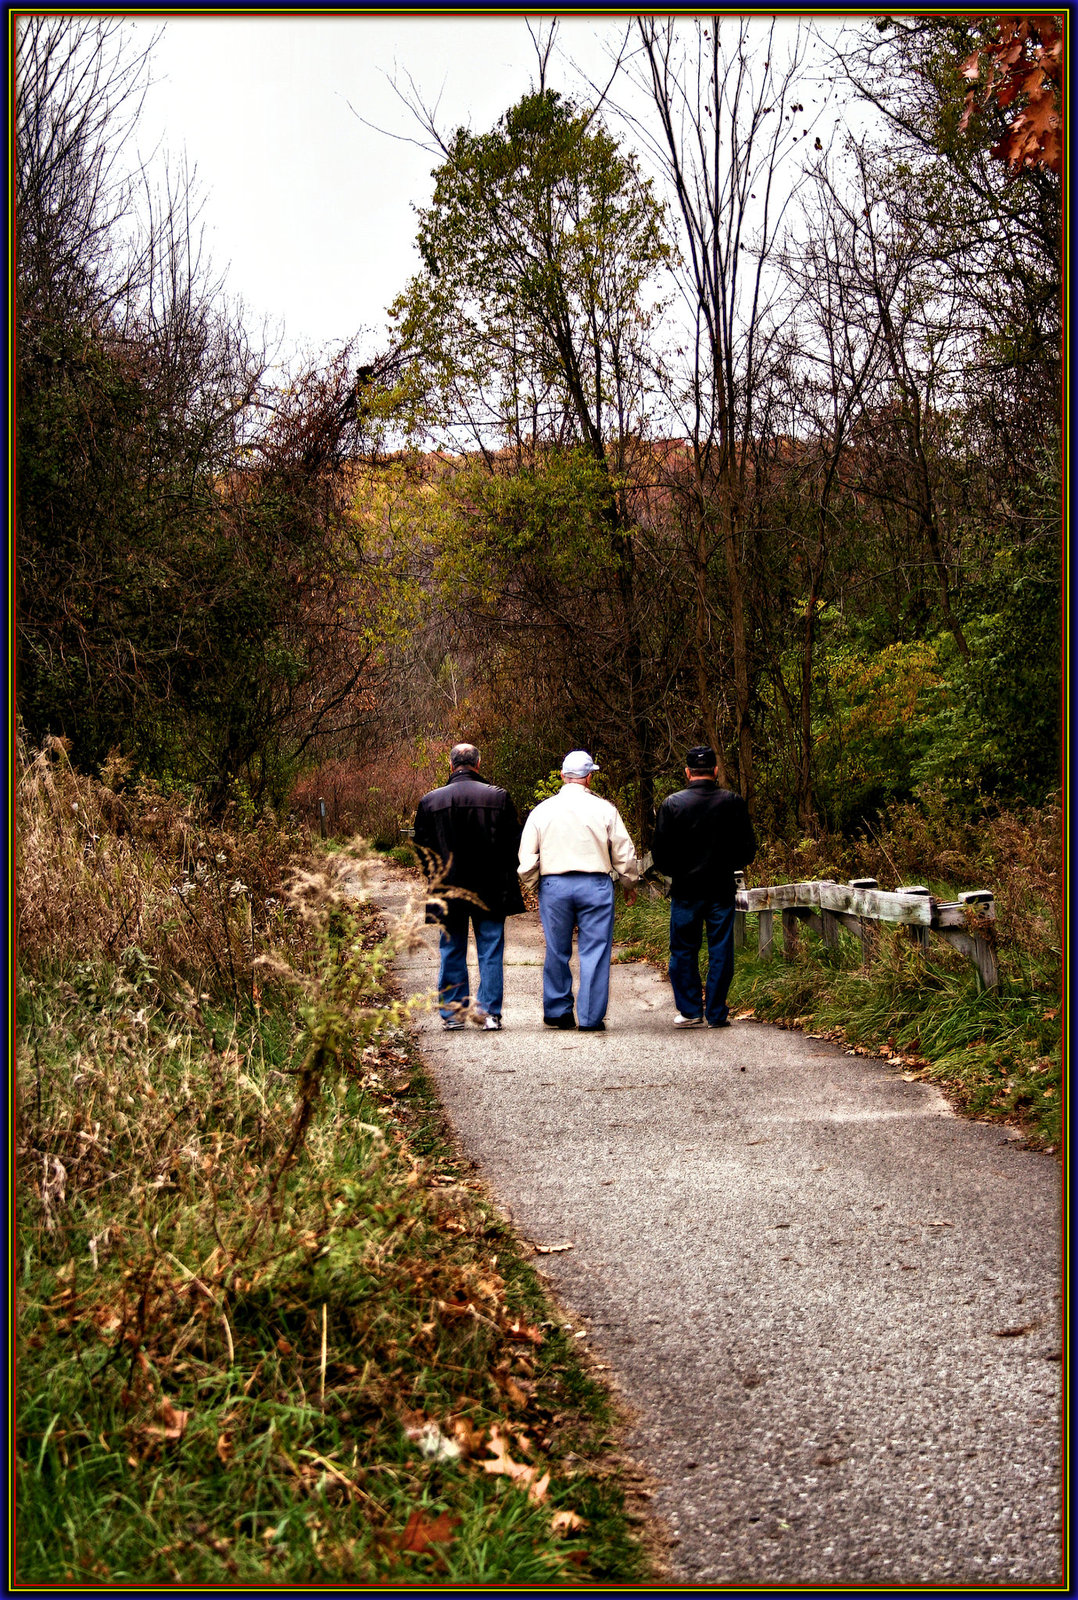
{"x":453,"y":988}
{"x":584,"y":901}
{"x":688,"y":919}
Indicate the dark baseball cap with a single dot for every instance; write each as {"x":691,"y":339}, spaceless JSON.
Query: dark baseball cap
{"x":701,"y":758}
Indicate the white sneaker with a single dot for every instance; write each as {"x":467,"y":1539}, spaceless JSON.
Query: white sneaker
{"x":452,"y":1025}
{"x":492,"y":1025}
{"x":687,"y":1022}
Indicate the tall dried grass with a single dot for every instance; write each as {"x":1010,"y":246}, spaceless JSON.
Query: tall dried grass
{"x":106,"y":872}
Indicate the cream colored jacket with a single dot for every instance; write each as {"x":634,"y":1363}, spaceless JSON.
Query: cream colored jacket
{"x":576,"y":831}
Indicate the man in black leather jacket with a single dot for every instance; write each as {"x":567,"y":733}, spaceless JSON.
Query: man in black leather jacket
{"x":703,"y":834}
{"x":469,"y":830}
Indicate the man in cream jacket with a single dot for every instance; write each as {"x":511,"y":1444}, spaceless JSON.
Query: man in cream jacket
{"x":575,"y":845}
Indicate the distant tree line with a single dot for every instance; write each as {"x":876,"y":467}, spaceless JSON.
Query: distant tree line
{"x":700,"y":432}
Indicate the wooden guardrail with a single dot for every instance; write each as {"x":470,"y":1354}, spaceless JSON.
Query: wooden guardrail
{"x":860,"y":906}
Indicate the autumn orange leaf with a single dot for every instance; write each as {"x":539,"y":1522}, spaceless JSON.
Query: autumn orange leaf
{"x":471,"y":1440}
{"x":173,"y":1422}
{"x":501,"y":1462}
{"x":1026,"y":59}
{"x":523,"y":1330}
{"x":419,"y":1533}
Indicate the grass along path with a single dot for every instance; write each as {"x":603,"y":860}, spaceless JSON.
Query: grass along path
{"x":267,"y":1332}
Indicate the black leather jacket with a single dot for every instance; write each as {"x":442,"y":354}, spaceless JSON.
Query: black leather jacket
{"x":473,"y":826}
{"x":703,"y":834}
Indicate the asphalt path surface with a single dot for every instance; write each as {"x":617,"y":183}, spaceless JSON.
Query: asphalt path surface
{"x":833,"y":1306}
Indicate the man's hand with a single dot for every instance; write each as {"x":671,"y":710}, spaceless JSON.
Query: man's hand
{"x":630,"y":895}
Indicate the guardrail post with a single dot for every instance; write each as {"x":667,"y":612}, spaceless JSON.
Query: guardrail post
{"x":790,"y":934}
{"x":869,"y":928}
{"x":983,"y":955}
{"x":918,"y":934}
{"x":321,"y":816}
{"x":766,"y":920}
{"x":739,"y":916}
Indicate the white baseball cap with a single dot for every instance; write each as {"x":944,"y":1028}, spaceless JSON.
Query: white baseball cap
{"x":578,"y":764}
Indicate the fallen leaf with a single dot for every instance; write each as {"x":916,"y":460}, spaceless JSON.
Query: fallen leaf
{"x":502,"y":1463}
{"x":471,"y":1440}
{"x":1015,"y":1333}
{"x":514,"y":1393}
{"x":551,"y":1249}
{"x":224,"y":1448}
{"x":566,"y":1522}
{"x":418,"y":1533}
{"x":519,"y":1329}
{"x":283,"y":1347}
{"x":174,"y":1422}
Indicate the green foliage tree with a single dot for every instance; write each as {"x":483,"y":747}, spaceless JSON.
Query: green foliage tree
{"x":526,"y":329}
{"x":528,"y":319}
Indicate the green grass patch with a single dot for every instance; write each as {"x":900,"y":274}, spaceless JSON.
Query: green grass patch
{"x":997,"y":1053}
{"x":269,"y":1331}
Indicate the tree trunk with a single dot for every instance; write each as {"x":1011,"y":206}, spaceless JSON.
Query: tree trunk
{"x":708,"y":719}
{"x":736,"y":593}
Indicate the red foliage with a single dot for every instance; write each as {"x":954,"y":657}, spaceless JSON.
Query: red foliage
{"x":1025,"y":62}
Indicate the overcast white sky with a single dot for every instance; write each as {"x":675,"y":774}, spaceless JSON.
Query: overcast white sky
{"x":308,"y":210}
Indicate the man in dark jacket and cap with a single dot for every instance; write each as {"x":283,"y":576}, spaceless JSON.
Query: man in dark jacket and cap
{"x":468,"y":832}
{"x":703,"y":835}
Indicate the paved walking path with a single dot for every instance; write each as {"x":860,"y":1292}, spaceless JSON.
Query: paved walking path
{"x":833,"y":1305}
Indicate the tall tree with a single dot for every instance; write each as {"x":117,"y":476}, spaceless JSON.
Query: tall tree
{"x":728,"y":117}
{"x":996,"y":231}
{"x":526,"y":328}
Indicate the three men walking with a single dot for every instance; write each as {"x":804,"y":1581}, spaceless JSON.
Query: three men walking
{"x":575,"y":846}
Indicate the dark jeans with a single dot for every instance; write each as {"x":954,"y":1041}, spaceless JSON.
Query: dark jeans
{"x":453,"y":985}
{"x":688,"y":919}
